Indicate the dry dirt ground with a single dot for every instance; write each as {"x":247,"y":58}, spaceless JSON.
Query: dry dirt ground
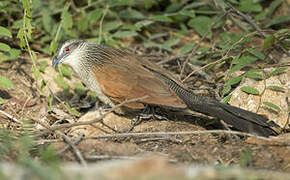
{"x":25,"y":102}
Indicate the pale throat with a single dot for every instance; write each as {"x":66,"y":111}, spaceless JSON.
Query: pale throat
{"x":83,"y":68}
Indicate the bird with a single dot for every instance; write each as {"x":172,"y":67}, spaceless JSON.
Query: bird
{"x":116,"y":75}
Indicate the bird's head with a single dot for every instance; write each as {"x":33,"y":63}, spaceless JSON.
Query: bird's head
{"x":69,"y":52}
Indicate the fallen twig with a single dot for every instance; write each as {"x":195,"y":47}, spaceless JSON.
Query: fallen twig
{"x":248,"y":19}
{"x":106,"y":157}
{"x":252,"y":23}
{"x":11,"y":117}
{"x":67,"y":140}
{"x":99,"y":119}
{"x":193,"y":52}
{"x":150,"y":134}
{"x":76,"y":151}
{"x":76,"y":142}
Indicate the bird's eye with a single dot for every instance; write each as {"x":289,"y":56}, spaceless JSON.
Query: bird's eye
{"x":67,"y":49}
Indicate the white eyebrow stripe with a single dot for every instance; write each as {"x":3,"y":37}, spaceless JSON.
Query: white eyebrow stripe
{"x":64,"y":46}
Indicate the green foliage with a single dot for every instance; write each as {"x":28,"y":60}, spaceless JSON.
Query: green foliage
{"x":272,"y":106}
{"x":241,"y":62}
{"x":278,"y":71}
{"x":4,"y":47}
{"x":226,"y":99}
{"x":254,"y":74}
{"x":2,"y":101}
{"x":65,"y":71}
{"x":80,"y":89}
{"x":201,"y":24}
{"x":62,"y":84}
{"x":250,"y":6}
{"x":5,"y":32}
{"x":250,"y":90}
{"x":246,"y":157}
{"x":5,"y":82}
{"x":40,"y":165}
{"x":276,"y":88}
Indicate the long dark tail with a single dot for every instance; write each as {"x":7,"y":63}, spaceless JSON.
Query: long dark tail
{"x":238,"y":118}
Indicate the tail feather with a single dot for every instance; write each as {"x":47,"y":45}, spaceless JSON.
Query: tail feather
{"x":238,"y":118}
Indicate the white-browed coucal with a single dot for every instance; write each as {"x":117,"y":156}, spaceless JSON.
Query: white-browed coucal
{"x":116,"y":75}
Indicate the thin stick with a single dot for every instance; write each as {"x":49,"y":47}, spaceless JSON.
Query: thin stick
{"x":252,"y":23}
{"x":10,"y":117}
{"x":203,"y":67}
{"x":193,"y":52}
{"x":76,"y":142}
{"x":101,"y":24}
{"x":248,"y":19}
{"x":106,"y":157}
{"x":94,"y":120}
{"x":150,"y":134}
{"x":76,"y":151}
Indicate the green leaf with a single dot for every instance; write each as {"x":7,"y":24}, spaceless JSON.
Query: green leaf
{"x":200,"y":24}
{"x":12,"y":54}
{"x":120,"y":34}
{"x":109,"y":26}
{"x":42,"y":65}
{"x":157,"y":35}
{"x":189,"y":13}
{"x":233,"y":80}
{"x":131,"y":27}
{"x":67,"y":21}
{"x":278,"y":20}
{"x":47,"y":22}
{"x":172,"y":42}
{"x":4,"y":47}
{"x":246,"y":157}
{"x":250,"y":6}
{"x":278,"y":71}
{"x":121,"y":3}
{"x":273,"y":6}
{"x":257,"y":53}
{"x":36,"y":72}
{"x":144,"y":23}
{"x":72,"y":111}
{"x":226,"y":89}
{"x":2,"y":101}
{"x":226,"y":99}
{"x":5,"y":82}
{"x":253,"y":75}
{"x":5,"y":32}
{"x":268,"y":42}
{"x":65,"y":71}
{"x":131,"y":14}
{"x":261,"y":16}
{"x":161,"y":18}
{"x":273,"y":106}
{"x":173,"y":7}
{"x":61,"y":83}
{"x":95,"y":15}
{"x":80,"y":89}
{"x":52,"y":47}
{"x":277,"y":88}
{"x":250,"y":90}
{"x":242,"y":62}
{"x":83,"y":22}
{"x":186,"y":48}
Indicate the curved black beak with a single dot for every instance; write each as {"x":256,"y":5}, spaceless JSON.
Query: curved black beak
{"x":55,"y":62}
